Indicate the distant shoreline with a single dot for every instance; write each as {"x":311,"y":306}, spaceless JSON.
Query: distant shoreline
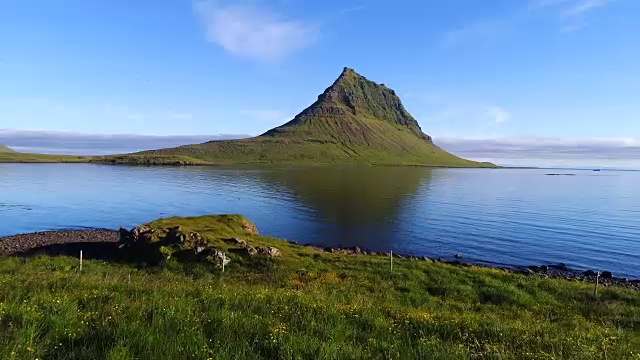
{"x":159,"y":160}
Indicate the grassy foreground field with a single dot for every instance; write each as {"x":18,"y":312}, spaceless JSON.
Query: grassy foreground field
{"x":304,"y":304}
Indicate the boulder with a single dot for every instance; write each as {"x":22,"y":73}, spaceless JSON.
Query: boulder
{"x":237,"y":241}
{"x":124,"y":234}
{"x":137,"y":235}
{"x":606,"y":275}
{"x":589,"y":273}
{"x":269,"y":251}
{"x":458,"y":256}
{"x":251,"y":251}
{"x":142,"y":233}
{"x":544,"y":268}
{"x":218,"y":258}
{"x":351,"y":250}
{"x":249,"y":227}
{"x":526,"y":272}
{"x":560,"y":266}
{"x":175,"y":235}
{"x":196,"y":240}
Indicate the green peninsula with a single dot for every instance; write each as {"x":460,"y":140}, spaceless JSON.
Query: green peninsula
{"x":5,"y":149}
{"x":355,"y":120}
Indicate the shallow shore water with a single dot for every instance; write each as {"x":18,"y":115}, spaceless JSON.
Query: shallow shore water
{"x":505,"y":217}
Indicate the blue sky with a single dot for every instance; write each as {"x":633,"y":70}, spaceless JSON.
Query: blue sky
{"x":554,"y":70}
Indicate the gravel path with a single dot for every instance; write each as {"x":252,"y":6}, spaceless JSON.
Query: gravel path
{"x":24,"y":242}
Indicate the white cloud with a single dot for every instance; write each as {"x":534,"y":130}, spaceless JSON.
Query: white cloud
{"x":498,"y":114}
{"x":541,"y":151}
{"x":478,"y":32}
{"x":352,"y":9}
{"x":574,"y":15}
{"x":74,"y":143}
{"x":252,"y":32}
{"x":585,"y":6}
{"x":541,"y":4}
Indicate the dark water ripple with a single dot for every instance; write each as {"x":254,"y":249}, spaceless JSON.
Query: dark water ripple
{"x":515,"y":217}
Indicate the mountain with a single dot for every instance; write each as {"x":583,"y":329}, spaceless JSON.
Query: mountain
{"x":355,"y":120}
{"x":5,"y":149}
{"x":351,"y":112}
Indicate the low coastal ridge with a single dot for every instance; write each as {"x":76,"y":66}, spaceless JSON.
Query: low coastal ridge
{"x":107,"y":245}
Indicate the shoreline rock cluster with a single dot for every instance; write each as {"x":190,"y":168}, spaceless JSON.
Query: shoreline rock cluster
{"x":553,"y":271}
{"x":174,"y":242}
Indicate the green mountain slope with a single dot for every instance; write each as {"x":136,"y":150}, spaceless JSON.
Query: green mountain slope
{"x":354,"y":121}
{"x":5,"y":149}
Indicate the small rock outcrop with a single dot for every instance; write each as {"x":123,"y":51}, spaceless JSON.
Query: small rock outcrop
{"x":140,"y":234}
{"x":237,"y":241}
{"x":250,"y":250}
{"x":250,"y":227}
{"x":269,"y":251}
{"x":218,"y":258}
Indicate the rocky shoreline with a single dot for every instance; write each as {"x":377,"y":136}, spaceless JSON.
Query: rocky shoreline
{"x":24,"y":243}
{"x":103,"y":244}
{"x":553,"y":271}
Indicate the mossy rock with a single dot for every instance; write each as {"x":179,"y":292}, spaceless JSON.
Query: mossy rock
{"x":198,"y":239}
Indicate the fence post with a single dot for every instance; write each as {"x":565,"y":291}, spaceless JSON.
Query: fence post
{"x":595,"y":290}
{"x":80,"y":260}
{"x":391,"y":259}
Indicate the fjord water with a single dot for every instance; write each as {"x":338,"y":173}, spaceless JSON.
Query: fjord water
{"x":505,"y":216}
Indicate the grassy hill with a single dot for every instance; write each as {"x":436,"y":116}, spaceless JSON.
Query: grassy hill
{"x":354,"y":121}
{"x":303,"y":304}
{"x":5,"y":149}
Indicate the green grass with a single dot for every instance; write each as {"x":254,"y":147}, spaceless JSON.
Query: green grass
{"x":306,"y":304}
{"x":5,"y":149}
{"x":289,"y":151}
{"x":15,"y":157}
{"x":260,"y":151}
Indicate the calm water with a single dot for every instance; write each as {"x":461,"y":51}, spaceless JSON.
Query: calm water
{"x":515,"y":217}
